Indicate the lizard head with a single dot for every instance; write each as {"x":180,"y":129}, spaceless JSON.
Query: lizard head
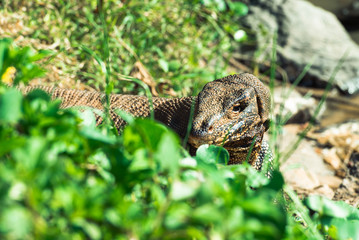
{"x":232,"y":112}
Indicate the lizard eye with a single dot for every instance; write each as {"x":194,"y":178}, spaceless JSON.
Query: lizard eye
{"x":236,"y":108}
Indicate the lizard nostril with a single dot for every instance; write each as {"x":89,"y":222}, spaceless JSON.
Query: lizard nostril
{"x":210,"y":129}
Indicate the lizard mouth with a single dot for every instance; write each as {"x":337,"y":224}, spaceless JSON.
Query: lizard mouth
{"x":244,"y":142}
{"x":196,"y":141}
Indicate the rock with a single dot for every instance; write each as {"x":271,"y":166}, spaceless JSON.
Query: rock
{"x":304,"y":32}
{"x":333,"y":6}
{"x":347,"y":11}
{"x":325,"y":191}
{"x":293,"y":106}
{"x":302,"y":178}
{"x":331,"y":181}
{"x":304,"y":169}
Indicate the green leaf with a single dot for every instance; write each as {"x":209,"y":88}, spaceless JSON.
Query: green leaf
{"x":17,"y":191}
{"x":132,"y":140}
{"x":96,"y":57}
{"x":41,"y":54}
{"x":331,"y":208}
{"x":31,"y":154}
{"x":113,"y":217}
{"x":183,"y":190}
{"x":140,"y":161}
{"x":109,"y":88}
{"x":207,"y":213}
{"x":276,"y":182}
{"x":127,"y":117}
{"x":236,"y":218}
{"x":240,"y":36}
{"x":168,"y":152}
{"x":4,"y":51}
{"x":212,"y":154}
{"x":188,"y":162}
{"x":87,"y":108}
{"x":62,"y":198}
{"x":158,"y":195}
{"x":88,"y":118}
{"x":219,"y":5}
{"x":339,"y":219}
{"x":174,"y":65}
{"x":164,"y":65}
{"x":16,"y":221}
{"x":239,"y":8}
{"x":9,"y":144}
{"x":177,"y":215}
{"x":143,"y":132}
{"x":345,"y":229}
{"x":38,"y":94}
{"x":10,"y":106}
{"x":96,"y":135}
{"x":91,"y":229}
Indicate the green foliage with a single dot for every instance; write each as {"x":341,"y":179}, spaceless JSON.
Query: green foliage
{"x":336,"y":219}
{"x":21,"y":60}
{"x":59,"y":178}
{"x":212,"y":154}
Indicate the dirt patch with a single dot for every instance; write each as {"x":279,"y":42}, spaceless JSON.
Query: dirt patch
{"x":348,"y":190}
{"x":332,"y":150}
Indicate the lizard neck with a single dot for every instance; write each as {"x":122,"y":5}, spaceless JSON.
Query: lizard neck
{"x":175,"y":112}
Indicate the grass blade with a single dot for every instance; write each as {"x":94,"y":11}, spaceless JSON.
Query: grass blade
{"x":287,"y":154}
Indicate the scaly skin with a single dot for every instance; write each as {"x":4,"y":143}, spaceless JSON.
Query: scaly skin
{"x":230,"y":112}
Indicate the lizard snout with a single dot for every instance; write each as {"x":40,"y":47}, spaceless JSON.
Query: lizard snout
{"x":202,"y":128}
{"x":202,"y":132}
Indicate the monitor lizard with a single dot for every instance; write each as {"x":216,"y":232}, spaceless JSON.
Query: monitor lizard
{"x":232,"y":112}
